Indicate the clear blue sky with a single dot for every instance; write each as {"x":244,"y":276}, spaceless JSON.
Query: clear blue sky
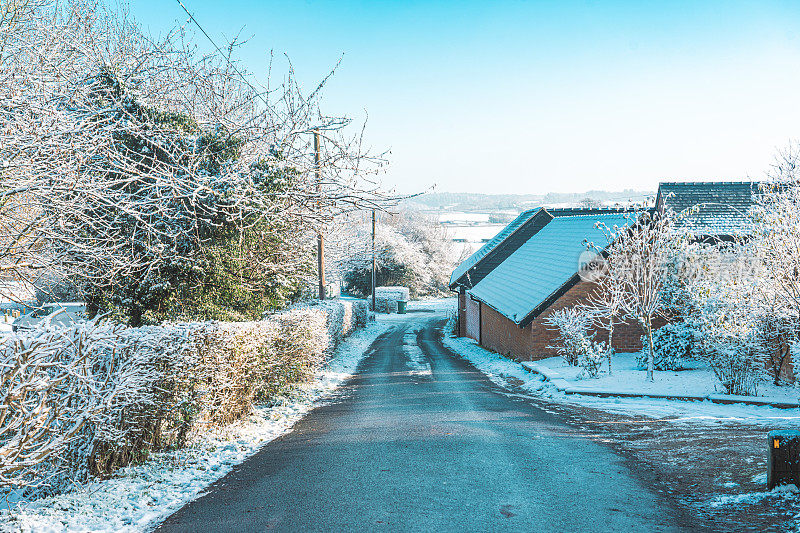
{"x":534,"y":97}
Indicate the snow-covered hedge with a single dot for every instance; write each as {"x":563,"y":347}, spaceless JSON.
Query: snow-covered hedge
{"x":386,"y":298}
{"x":88,"y":399}
{"x":673,"y":345}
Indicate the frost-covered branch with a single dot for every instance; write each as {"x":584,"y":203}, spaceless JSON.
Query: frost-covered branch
{"x":120,"y":153}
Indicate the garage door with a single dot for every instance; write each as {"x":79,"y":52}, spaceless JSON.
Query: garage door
{"x":473,"y":319}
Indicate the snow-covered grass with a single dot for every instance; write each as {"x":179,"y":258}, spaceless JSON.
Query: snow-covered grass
{"x":505,"y":372}
{"x":696,"y":380}
{"x":138,"y":497}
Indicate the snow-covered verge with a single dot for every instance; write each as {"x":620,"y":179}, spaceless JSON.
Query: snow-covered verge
{"x":138,"y":497}
{"x":86,"y":400}
{"x":505,"y":371}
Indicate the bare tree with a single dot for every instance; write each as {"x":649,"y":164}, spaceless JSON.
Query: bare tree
{"x":636,"y":262}
{"x":604,"y":306}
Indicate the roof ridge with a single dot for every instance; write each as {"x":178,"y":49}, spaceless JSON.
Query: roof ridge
{"x":751,"y":182}
{"x":582,"y":211}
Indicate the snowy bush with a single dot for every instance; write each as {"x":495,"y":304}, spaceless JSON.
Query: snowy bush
{"x":88,"y":399}
{"x":673,"y":344}
{"x":575,"y":344}
{"x":592,"y":358}
{"x":451,"y":326}
{"x":573,"y":339}
{"x":342,"y":317}
{"x":735,"y":351}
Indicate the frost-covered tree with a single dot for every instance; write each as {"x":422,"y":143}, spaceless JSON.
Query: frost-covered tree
{"x":412,"y":250}
{"x":777,"y":245}
{"x":726,"y":313}
{"x":778,"y":237}
{"x":604,"y":305}
{"x":116,"y":151}
{"x":574,"y":342}
{"x":636,"y":261}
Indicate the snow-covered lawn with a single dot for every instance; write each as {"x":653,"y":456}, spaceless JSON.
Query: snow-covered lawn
{"x":139,"y":497}
{"x":696,"y":380}
{"x":626,"y":378}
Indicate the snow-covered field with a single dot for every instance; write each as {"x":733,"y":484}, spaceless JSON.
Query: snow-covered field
{"x":459,"y":216}
{"x":474,"y":233}
{"x":139,"y":497}
{"x":505,"y":371}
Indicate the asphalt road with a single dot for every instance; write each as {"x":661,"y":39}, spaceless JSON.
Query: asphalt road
{"x":407,"y":449}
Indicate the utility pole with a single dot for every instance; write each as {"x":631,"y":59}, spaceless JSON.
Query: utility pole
{"x":373,"y":260}
{"x":320,"y":237}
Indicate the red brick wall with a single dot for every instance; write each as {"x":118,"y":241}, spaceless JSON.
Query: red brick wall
{"x":786,"y":371}
{"x":535,"y":340}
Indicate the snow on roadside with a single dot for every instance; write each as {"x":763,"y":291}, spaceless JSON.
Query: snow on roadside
{"x":500,"y":369}
{"x":496,"y":367}
{"x":139,"y":497}
{"x":788,"y":492}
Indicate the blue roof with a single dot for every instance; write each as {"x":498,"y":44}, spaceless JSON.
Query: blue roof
{"x":541,"y":266}
{"x":484,"y":250}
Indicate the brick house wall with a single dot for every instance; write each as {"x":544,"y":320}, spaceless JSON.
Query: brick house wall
{"x":534,"y":341}
{"x":779,"y":354}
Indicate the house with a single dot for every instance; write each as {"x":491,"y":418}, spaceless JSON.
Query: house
{"x":508,"y":288}
{"x":716,"y":210}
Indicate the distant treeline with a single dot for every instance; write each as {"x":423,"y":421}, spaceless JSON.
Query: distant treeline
{"x":464,"y":201}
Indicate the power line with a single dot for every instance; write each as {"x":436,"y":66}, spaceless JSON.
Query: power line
{"x":221,"y":53}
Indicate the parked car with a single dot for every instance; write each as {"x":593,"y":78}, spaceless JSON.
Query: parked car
{"x":59,"y":314}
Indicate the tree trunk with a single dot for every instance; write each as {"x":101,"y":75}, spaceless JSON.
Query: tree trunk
{"x":649,"y":326}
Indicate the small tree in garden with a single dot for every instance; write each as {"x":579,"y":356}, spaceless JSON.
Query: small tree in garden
{"x":572,"y":328}
{"x":727,"y":313}
{"x":731,"y":328}
{"x":636,"y":260}
{"x":605,"y":307}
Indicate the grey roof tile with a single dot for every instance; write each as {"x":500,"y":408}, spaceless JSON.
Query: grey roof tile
{"x":713,"y":208}
{"x":541,"y":266}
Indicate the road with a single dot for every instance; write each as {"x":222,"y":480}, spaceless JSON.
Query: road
{"x":419,"y":440}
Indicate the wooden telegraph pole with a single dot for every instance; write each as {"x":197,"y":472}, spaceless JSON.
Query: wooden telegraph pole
{"x":373,"y":260}
{"x":320,"y":237}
